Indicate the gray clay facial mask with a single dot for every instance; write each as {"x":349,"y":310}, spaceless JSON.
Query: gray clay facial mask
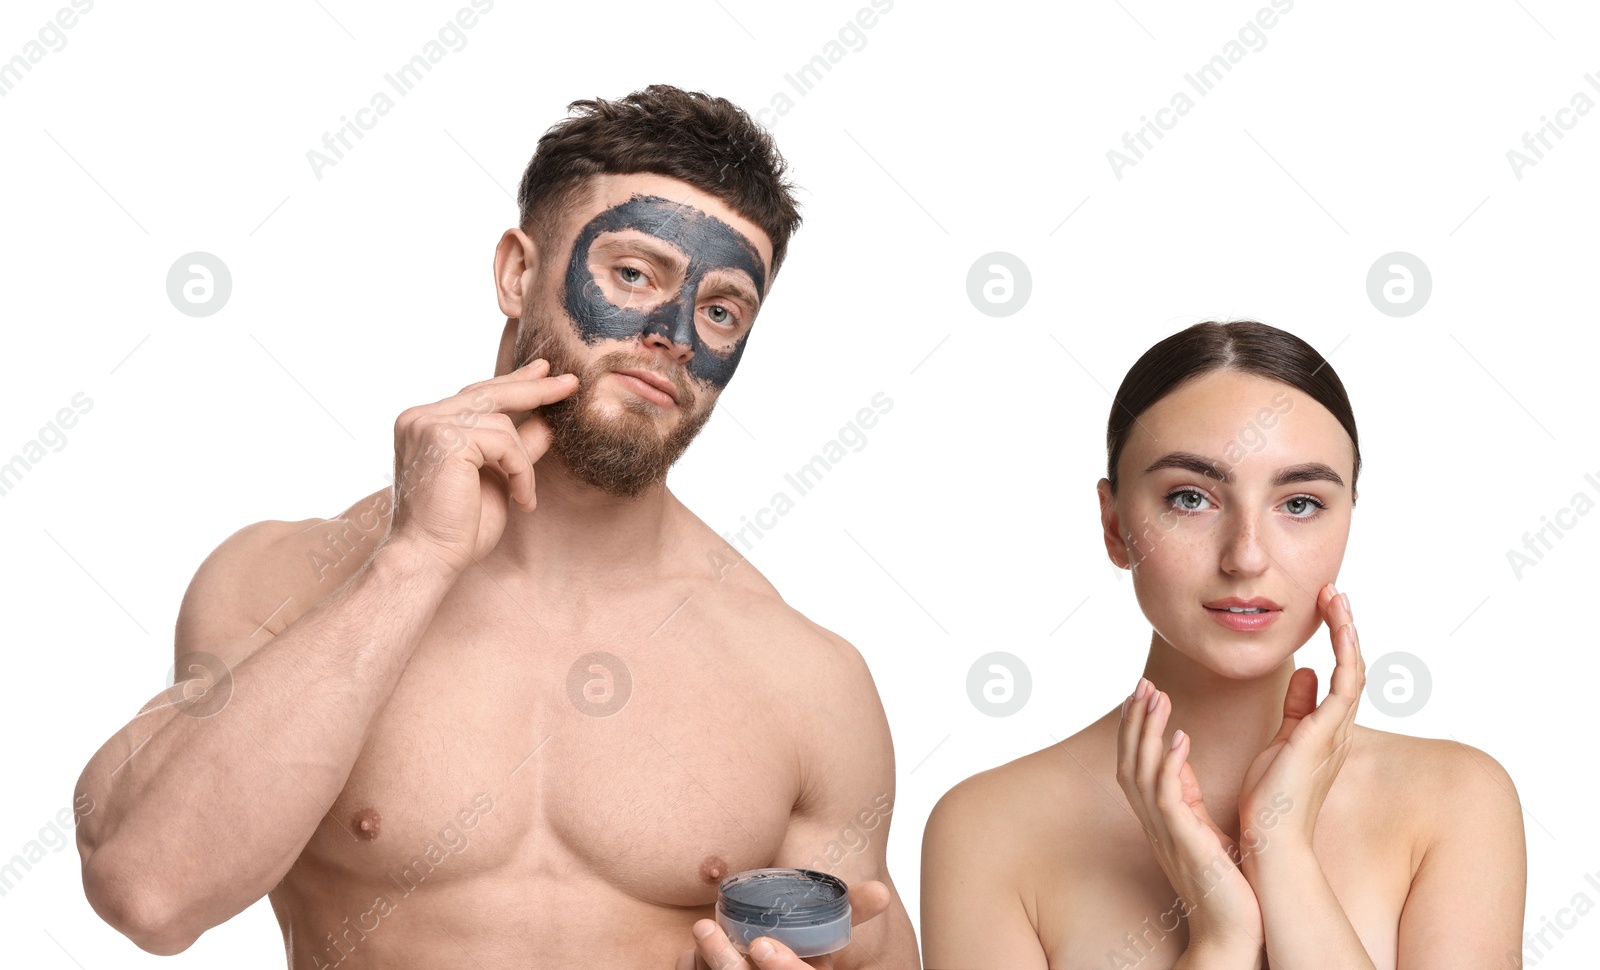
{"x":709,"y":245}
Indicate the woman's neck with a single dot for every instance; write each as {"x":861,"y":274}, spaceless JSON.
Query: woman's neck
{"x":1230,"y":720}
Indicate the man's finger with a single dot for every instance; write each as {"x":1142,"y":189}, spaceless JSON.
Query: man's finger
{"x":715,"y":948}
{"x":867,"y":900}
{"x":719,"y":953}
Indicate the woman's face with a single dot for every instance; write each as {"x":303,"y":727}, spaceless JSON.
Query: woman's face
{"x":1232,"y":486}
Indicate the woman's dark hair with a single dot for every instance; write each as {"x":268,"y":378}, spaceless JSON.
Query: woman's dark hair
{"x":710,"y":143}
{"x":1242,"y":345}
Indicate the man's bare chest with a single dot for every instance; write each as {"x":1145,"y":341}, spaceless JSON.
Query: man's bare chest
{"x":649,"y":759}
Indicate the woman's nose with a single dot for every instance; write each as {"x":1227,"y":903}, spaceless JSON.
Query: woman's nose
{"x":1243,"y":550}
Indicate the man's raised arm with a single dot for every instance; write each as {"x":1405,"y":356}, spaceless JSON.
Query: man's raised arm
{"x":201,"y":806}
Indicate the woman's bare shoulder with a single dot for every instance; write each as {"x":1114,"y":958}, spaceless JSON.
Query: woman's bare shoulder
{"x":1039,"y":791}
{"x":1427,"y":767}
{"x":1443,"y":786}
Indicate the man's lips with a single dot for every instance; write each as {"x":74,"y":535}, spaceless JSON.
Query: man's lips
{"x":652,"y":379}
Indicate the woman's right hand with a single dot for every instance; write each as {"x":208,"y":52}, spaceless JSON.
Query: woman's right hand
{"x":1199,"y":859}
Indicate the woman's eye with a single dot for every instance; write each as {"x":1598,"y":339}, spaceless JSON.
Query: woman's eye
{"x":631,"y":274}
{"x":1304,"y":507}
{"x":1182,"y":495}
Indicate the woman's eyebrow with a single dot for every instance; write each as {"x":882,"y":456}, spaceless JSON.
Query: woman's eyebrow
{"x":1310,"y":471}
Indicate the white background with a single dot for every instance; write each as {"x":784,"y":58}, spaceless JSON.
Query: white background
{"x":968,"y":522}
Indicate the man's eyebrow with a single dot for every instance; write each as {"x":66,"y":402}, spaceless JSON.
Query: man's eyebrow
{"x":734,"y":282}
{"x":649,"y":245}
{"x":1310,"y":471}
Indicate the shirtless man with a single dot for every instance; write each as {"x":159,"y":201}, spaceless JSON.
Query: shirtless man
{"x":525,"y":709}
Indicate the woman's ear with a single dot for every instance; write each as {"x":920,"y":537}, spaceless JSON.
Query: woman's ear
{"x":1111,"y":526}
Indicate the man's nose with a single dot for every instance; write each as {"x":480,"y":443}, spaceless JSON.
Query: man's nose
{"x":671,"y":326}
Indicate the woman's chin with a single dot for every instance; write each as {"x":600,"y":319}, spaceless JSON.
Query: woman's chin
{"x":1248,"y":658}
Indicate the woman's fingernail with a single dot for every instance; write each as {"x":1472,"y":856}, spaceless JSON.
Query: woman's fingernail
{"x":1344,"y":602}
{"x":1177,"y":739}
{"x":1155,"y":698}
{"x":1126,"y":701}
{"x":701,"y":933}
{"x":762,"y":951}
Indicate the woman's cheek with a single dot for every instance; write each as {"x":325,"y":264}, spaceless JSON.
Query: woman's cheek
{"x":1162,"y":579}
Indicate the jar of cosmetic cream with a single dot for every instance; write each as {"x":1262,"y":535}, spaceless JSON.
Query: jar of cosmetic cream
{"x":805,"y":910}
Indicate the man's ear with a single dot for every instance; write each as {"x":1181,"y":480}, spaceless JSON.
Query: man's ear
{"x":516,"y":269}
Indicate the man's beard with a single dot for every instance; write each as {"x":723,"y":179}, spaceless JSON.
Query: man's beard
{"x":620,"y":454}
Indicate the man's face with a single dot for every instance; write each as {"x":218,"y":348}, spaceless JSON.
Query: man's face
{"x":654,"y":267}
{"x":648,"y":295}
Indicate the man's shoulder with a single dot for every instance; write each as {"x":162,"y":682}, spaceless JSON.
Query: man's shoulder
{"x":274,"y":570}
{"x":726,"y":577}
{"x":757,"y":610}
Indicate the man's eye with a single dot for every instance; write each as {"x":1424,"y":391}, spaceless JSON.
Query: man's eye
{"x":719,"y":314}
{"x":631,"y":274}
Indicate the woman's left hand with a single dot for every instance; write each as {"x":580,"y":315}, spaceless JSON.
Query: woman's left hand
{"x":1290,"y":778}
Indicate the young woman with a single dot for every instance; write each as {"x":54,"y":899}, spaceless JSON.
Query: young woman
{"x":1220,"y":816}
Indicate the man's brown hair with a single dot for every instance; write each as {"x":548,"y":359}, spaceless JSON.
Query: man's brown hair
{"x":710,"y":143}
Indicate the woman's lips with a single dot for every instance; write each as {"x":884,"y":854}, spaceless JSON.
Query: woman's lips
{"x":1244,"y":622}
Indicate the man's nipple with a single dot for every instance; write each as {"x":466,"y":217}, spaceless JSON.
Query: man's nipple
{"x":713,"y":870}
{"x":366,"y":824}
